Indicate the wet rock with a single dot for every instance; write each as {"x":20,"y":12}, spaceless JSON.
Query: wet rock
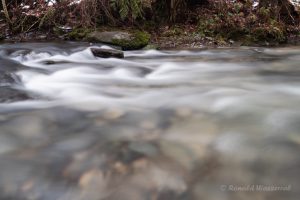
{"x":7,"y":78}
{"x":162,"y":178}
{"x":52,"y":62}
{"x":75,"y":34}
{"x":93,"y":185}
{"x":10,"y":95}
{"x":92,"y":177}
{"x":10,"y":65}
{"x":184,"y":155}
{"x":126,"y":40}
{"x":113,"y":113}
{"x":140,"y":164}
{"x":183,"y":112}
{"x":107,"y":53}
{"x":120,"y":168}
{"x":150,"y":47}
{"x":143,"y":148}
{"x":109,"y":36}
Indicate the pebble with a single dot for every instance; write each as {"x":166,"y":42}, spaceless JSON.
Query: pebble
{"x":143,"y":148}
{"x":92,"y":178}
{"x":183,"y":112}
{"x":141,"y":163}
{"x":28,"y":185}
{"x":120,"y":168}
{"x":113,"y":113}
{"x":147,"y":125}
{"x":93,"y":185}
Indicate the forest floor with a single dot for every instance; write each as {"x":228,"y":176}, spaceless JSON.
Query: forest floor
{"x":217,"y":24}
{"x":179,"y":36}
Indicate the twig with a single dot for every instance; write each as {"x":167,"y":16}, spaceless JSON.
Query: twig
{"x":6,"y":11}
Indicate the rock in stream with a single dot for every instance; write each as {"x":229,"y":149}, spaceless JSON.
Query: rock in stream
{"x":107,"y":53}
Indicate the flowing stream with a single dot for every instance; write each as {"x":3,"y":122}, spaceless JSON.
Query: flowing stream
{"x":158,"y":125}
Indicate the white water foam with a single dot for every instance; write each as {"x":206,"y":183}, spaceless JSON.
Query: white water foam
{"x":139,"y":80}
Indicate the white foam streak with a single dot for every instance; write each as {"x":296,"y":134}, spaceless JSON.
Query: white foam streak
{"x":85,"y":82}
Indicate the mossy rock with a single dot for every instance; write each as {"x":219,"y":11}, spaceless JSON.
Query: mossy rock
{"x":138,"y":41}
{"x":78,"y":33}
{"x":261,"y":36}
{"x":126,"y":40}
{"x":150,"y":47}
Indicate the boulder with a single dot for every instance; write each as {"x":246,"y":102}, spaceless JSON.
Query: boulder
{"x":8,"y":79}
{"x":9,"y":66}
{"x":107,"y":53}
{"x":126,"y":40}
{"x":110,"y":36}
{"x":7,"y":71}
{"x":7,"y":93}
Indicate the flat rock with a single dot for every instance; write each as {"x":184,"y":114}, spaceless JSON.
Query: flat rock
{"x":126,"y":40}
{"x":110,"y":36}
{"x":107,"y":53}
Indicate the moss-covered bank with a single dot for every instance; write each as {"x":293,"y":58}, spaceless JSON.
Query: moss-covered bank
{"x":190,"y":24}
{"x":125,"y":39}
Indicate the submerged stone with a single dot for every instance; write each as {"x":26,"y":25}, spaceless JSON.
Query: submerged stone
{"x":7,"y":78}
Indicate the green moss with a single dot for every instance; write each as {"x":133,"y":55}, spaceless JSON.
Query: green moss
{"x":247,"y":40}
{"x":150,"y":47}
{"x":78,"y":33}
{"x":269,"y":34}
{"x":139,"y":40}
{"x":174,"y":31}
{"x":206,"y":27}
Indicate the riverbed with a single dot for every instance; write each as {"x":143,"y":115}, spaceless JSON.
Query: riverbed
{"x":205,"y":124}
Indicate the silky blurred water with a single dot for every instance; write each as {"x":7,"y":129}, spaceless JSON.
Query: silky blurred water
{"x":209,"y":124}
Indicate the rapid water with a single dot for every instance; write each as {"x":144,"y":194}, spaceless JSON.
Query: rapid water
{"x":158,"y":125}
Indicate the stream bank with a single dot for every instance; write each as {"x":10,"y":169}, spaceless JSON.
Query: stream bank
{"x":190,"y":25}
{"x":165,"y":37}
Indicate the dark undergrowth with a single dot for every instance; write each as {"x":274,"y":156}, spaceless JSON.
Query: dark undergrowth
{"x":222,"y":19}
